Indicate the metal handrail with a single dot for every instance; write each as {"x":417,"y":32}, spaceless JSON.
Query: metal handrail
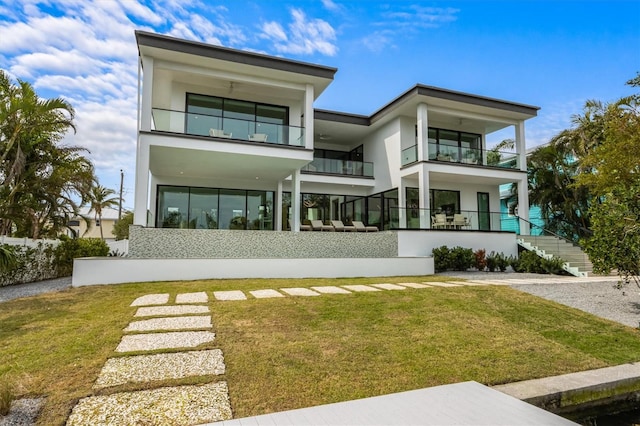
{"x":550,"y":232}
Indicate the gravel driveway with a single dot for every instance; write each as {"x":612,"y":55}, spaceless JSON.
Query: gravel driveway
{"x":596,"y":295}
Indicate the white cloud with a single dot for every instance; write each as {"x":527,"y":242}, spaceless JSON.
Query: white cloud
{"x":378,"y":41}
{"x":305,"y":36}
{"x":419,"y":16}
{"x":331,"y":5}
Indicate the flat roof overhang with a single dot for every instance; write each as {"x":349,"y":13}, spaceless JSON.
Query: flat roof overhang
{"x":209,"y":159}
{"x":204,"y":55}
{"x":457,"y":110}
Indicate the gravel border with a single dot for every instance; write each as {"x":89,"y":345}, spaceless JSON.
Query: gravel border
{"x":23,"y":412}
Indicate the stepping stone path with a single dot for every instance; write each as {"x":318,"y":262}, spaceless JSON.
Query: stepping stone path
{"x":190,"y":404}
{"x":185,"y":404}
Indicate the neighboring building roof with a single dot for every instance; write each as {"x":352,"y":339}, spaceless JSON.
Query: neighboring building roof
{"x":107,"y":214}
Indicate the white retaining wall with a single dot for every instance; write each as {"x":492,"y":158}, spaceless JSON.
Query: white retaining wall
{"x":422,"y":243}
{"x":113,"y":270}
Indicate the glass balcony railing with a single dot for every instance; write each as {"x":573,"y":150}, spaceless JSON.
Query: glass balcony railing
{"x":464,"y":220}
{"x":491,"y":158}
{"x":410,"y":155}
{"x":226,"y":128}
{"x":339,"y":167}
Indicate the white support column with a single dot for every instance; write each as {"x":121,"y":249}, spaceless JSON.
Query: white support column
{"x":523,"y":206}
{"x":278,"y":207}
{"x":402,"y":204}
{"x":141,"y":184}
{"x":423,"y":132}
{"x":147,"y":89}
{"x":521,"y":147}
{"x":308,"y":116}
{"x":423,"y":189}
{"x":295,"y":201}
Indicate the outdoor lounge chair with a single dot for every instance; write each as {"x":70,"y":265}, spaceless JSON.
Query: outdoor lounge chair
{"x":361,"y":228}
{"x":317,"y":225}
{"x":217,"y":133}
{"x":341,"y":227}
{"x":303,"y":227}
{"x":258,"y":137}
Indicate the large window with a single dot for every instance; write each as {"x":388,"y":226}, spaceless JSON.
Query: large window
{"x":451,"y":145}
{"x":212,"y":208}
{"x":443,"y":201}
{"x":239,"y":119}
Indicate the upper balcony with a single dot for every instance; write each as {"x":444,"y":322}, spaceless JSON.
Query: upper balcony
{"x":469,"y":156}
{"x":330,"y":166}
{"x":199,"y":124}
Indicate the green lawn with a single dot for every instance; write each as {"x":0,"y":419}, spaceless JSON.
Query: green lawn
{"x":294,"y":352}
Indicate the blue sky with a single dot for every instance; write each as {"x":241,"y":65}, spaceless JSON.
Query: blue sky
{"x":553,"y":54}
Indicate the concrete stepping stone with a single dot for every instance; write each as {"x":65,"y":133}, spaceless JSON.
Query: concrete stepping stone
{"x":229,"y":295}
{"x":151,"y":299}
{"x":360,"y":287}
{"x":171,"y":323}
{"x":470,"y":283}
{"x":492,"y":282}
{"x":414,"y":285}
{"x":299,"y":291}
{"x":331,"y":289}
{"x":439,"y":284}
{"x":265,"y":294}
{"x":180,"y":405}
{"x":387,"y":286}
{"x":147,"y":368}
{"x":159,"y":311}
{"x":154,"y":341}
{"x":200,"y":297}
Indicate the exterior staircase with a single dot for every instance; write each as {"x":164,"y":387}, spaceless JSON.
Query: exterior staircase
{"x":577,"y":262}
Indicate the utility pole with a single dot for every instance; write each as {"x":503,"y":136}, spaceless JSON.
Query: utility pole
{"x":120,"y":206}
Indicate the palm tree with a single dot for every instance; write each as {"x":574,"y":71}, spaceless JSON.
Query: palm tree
{"x":101,"y":198}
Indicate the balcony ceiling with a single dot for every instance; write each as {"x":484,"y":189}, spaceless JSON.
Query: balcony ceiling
{"x":195,"y":163}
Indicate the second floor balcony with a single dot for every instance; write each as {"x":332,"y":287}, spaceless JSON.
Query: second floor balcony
{"x":181,"y":122}
{"x":459,"y":155}
{"x":339,"y":167}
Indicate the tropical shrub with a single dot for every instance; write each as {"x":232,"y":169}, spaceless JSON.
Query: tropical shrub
{"x":480,"y":259}
{"x":70,"y":249}
{"x":441,"y":258}
{"x":461,"y":258}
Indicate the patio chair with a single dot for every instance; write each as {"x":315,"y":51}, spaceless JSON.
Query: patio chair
{"x":360,"y":227}
{"x":217,"y":133}
{"x":439,"y":221}
{"x":317,"y":225}
{"x":258,"y":137}
{"x":341,"y":227}
{"x":459,"y":221}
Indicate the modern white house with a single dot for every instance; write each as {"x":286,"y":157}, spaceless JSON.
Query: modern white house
{"x":229,"y":140}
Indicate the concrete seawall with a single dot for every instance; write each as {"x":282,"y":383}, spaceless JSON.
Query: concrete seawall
{"x":582,"y":395}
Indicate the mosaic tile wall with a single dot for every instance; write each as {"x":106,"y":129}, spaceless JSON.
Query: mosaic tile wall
{"x":201,"y":243}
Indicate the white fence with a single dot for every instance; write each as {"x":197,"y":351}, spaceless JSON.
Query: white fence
{"x":121,"y":247}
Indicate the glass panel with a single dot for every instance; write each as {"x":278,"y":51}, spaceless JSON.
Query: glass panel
{"x":203,"y":208}
{"x":232,"y":209}
{"x":413,"y":208}
{"x":286,"y":210}
{"x":433,"y":140}
{"x":314,"y":207}
{"x":484,"y":219}
{"x":391,"y":220}
{"x":448,"y":146}
{"x":239,"y":118}
{"x":447,"y":202}
{"x":203,"y":113}
{"x":271,"y":114}
{"x":374,"y":212}
{"x":260,"y":210}
{"x":173,"y":205}
{"x":471,"y":148}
